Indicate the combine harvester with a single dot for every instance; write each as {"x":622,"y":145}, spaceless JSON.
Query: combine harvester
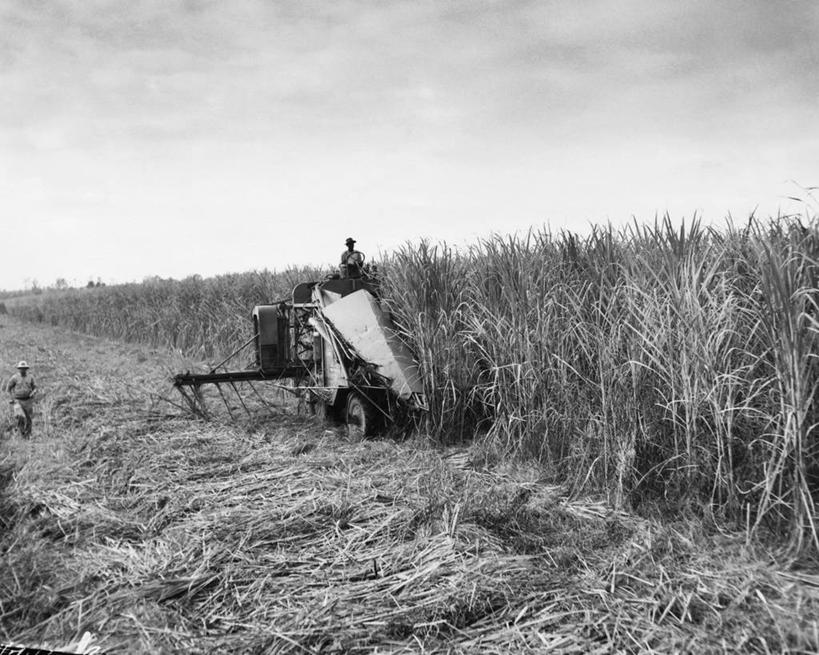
{"x":332,"y":345}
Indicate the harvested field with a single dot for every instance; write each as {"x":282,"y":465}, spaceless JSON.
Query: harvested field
{"x":161,"y":533}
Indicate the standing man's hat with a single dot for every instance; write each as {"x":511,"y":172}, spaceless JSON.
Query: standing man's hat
{"x":349,"y":241}
{"x":22,"y":364}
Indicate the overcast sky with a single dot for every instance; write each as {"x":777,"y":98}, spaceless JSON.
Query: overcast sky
{"x":169,"y":137}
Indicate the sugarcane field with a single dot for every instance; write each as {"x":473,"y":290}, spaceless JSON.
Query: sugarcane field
{"x":547,"y":494}
{"x":462,"y":327}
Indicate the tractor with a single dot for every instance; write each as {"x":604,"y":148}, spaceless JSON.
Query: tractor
{"x":334,"y":345}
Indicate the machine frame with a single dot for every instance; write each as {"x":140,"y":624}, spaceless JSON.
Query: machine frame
{"x":345,"y":361}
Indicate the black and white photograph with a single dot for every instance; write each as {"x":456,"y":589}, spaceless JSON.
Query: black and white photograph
{"x":409,"y":326}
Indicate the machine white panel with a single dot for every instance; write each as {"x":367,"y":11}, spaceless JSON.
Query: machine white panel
{"x":367,"y":329}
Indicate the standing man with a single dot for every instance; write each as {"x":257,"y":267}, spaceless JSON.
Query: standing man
{"x":352,"y":261}
{"x":21,"y":388}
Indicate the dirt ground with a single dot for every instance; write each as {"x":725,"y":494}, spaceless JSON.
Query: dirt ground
{"x":158,"y":532}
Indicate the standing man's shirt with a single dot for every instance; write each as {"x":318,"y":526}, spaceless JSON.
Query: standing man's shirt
{"x":21,"y":387}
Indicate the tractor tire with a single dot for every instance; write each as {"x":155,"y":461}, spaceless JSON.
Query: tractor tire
{"x":362,"y":417}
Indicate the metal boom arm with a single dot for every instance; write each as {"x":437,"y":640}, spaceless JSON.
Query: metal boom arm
{"x":195,"y":379}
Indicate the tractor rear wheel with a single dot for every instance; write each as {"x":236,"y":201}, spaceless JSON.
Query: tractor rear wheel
{"x":362,"y":417}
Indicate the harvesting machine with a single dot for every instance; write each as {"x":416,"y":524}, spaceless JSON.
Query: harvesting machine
{"x":333,"y":345}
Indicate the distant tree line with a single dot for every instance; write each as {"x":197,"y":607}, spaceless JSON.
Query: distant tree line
{"x":32,"y":287}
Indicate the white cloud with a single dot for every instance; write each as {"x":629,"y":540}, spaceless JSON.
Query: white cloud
{"x":296,"y":122}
